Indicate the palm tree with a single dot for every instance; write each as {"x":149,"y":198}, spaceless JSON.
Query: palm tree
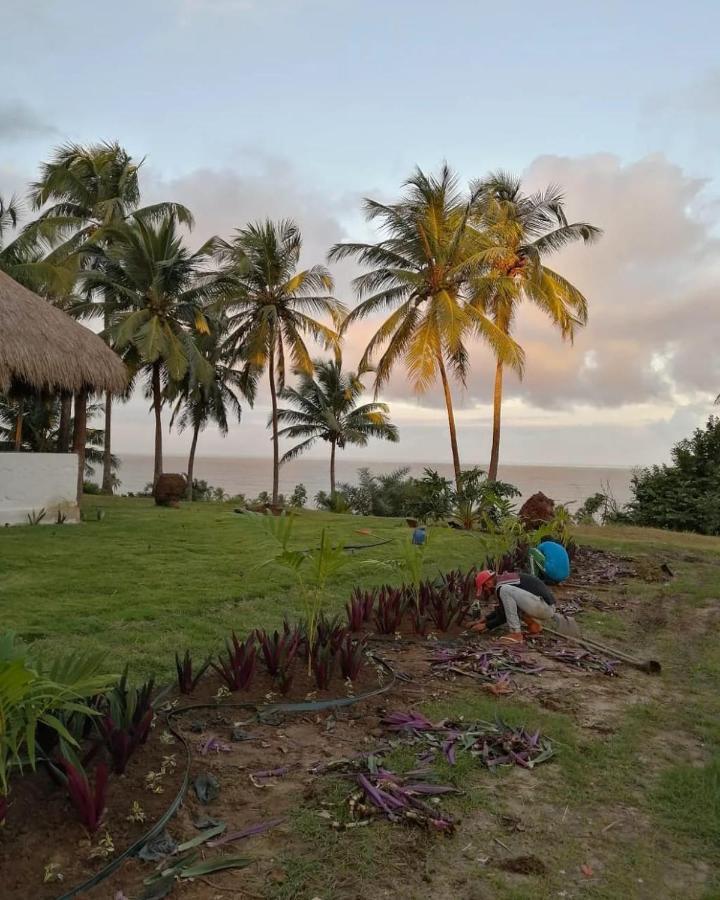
{"x":212,"y":395}
{"x":28,"y":258}
{"x":518,"y":231}
{"x":424,"y":270}
{"x":325,"y":408}
{"x":270,"y":311}
{"x":90,"y":188}
{"x":165,"y":295}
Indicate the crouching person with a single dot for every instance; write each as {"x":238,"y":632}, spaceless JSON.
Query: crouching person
{"x":519,"y":596}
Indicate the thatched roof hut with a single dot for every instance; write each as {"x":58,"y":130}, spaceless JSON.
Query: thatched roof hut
{"x":44,"y":349}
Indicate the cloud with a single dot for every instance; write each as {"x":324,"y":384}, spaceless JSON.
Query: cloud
{"x":19,"y":122}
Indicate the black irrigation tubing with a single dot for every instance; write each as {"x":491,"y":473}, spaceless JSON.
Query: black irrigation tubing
{"x":262,"y":715}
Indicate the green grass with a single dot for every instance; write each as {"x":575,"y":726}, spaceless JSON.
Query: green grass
{"x":145,"y":581}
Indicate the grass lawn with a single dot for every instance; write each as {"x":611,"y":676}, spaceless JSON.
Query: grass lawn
{"x":630,"y":806}
{"x":143,"y":582}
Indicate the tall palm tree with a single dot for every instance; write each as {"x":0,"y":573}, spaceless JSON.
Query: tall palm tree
{"x":89,"y":188}
{"x":211,"y":395}
{"x":165,"y":293}
{"x":518,"y":231}
{"x":325,"y":407}
{"x":424,"y":270}
{"x":270,"y":312}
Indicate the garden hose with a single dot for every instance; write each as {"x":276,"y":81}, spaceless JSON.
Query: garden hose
{"x":263,"y":715}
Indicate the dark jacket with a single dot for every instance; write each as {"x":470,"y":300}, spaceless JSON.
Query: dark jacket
{"x":528,"y":583}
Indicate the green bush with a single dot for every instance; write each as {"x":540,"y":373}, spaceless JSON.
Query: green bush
{"x":298,"y":498}
{"x":89,"y":487}
{"x":684,"y":496}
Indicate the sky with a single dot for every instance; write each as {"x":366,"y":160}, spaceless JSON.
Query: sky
{"x":244,"y":109}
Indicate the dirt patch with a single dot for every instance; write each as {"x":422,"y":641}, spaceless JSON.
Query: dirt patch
{"x":42,"y":829}
{"x":522,"y":865}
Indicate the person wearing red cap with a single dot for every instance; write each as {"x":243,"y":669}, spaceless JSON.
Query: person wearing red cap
{"x":519,"y":596}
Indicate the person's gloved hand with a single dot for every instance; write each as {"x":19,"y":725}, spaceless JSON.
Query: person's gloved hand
{"x":479,"y":627}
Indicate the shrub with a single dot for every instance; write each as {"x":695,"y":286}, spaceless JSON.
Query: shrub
{"x":684,"y":496}
{"x":34,"y":693}
{"x":298,"y":498}
{"x":89,"y":487}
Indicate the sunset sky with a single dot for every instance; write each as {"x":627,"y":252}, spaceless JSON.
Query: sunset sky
{"x":300,"y":108}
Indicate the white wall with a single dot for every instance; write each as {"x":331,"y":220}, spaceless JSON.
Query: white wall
{"x":30,"y":482}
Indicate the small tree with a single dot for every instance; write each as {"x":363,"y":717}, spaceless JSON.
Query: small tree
{"x":684,"y":496}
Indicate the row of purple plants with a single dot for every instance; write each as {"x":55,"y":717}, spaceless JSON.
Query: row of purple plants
{"x":431,"y":606}
{"x":123,"y":717}
{"x":281,"y":653}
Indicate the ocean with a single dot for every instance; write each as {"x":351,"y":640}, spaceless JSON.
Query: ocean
{"x":249,"y":476}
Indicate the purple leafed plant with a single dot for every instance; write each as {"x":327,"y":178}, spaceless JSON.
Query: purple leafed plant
{"x":443,"y":608}
{"x":323,"y":664}
{"x":330,"y":631}
{"x":407,"y":721}
{"x":187,"y":682}
{"x":400,"y":802}
{"x":277,"y":650}
{"x":359,"y":608}
{"x":238,"y":668}
{"x":122,"y":740}
{"x":390,"y":609}
{"x":215,"y":745}
{"x":89,"y":801}
{"x":352,"y":657}
{"x":250,"y":831}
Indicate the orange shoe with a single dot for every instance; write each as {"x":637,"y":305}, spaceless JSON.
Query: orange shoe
{"x":533,"y":626}
{"x":514,"y":637}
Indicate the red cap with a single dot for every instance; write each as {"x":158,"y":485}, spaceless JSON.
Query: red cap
{"x":481,"y":578}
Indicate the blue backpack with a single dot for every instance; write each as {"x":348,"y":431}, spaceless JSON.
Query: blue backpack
{"x":557,"y":563}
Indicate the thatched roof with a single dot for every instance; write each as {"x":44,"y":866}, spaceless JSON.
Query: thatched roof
{"x":42,"y":348}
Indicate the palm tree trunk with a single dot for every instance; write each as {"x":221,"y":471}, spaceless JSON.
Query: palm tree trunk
{"x":107,"y":483}
{"x":157,"y":401}
{"x":497,"y":410}
{"x":65,"y":424}
{"x":275,"y":440}
{"x":451,"y":421}
{"x":19,"y":427}
{"x":107,"y":479}
{"x":191,"y":460}
{"x":79,"y":438}
{"x":332,"y":469}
